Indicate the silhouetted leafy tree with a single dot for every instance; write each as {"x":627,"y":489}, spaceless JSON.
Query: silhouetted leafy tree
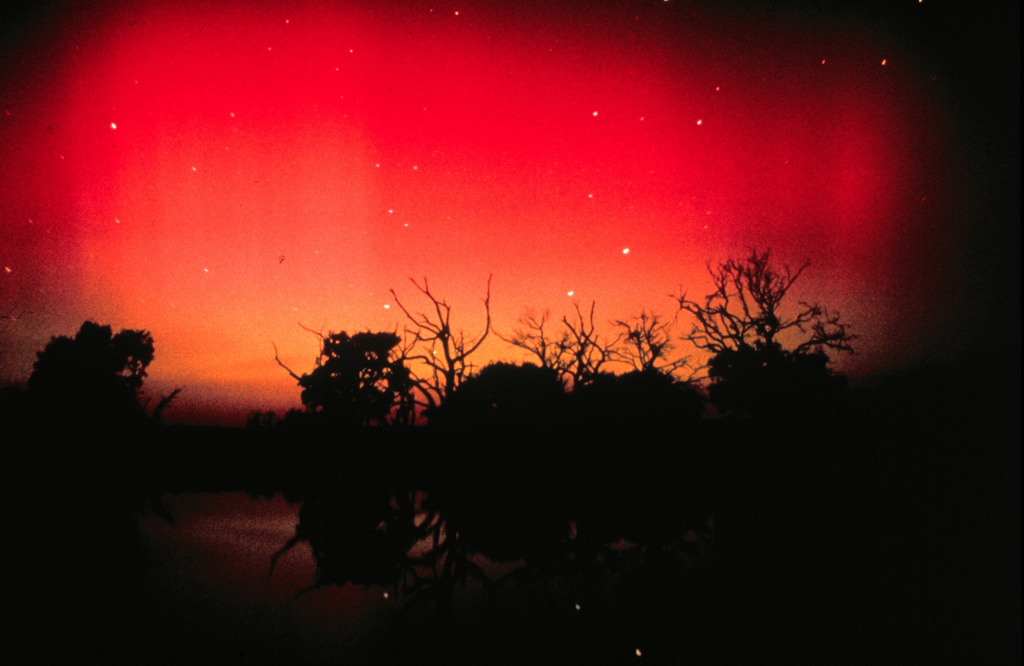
{"x":261,"y":420}
{"x":744,"y":323}
{"x":358,"y":380}
{"x":507,"y":397}
{"x":633,"y":475}
{"x":87,"y":473}
{"x":96,"y":375}
{"x":772,"y":381}
{"x":504,"y":474}
{"x":443,"y":350}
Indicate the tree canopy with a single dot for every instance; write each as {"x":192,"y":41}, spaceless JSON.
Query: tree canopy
{"x":358,"y":380}
{"x":96,"y":373}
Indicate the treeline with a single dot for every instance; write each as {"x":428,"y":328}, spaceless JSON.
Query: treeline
{"x":409,"y":460}
{"x":755,"y":532}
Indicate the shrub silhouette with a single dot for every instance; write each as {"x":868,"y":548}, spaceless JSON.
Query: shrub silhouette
{"x":505,"y":473}
{"x":632,"y":472}
{"x":503,"y":397}
{"x":770,"y":381}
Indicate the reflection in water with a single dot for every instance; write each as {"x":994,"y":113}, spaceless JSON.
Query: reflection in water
{"x":211,"y":598}
{"x":210,"y":581}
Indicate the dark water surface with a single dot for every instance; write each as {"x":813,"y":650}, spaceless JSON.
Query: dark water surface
{"x":209,"y":579}
{"x":210,"y":599}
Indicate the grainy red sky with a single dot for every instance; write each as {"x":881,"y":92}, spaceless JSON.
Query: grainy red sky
{"x":216,"y":173}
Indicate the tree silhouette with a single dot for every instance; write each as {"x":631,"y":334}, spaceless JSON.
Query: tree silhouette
{"x":505,"y":444}
{"x":647,"y":344}
{"x":86,"y":453}
{"x":358,"y":380}
{"x":634,"y":434}
{"x":745,"y":310}
{"x":744,"y":323}
{"x":95,"y":375}
{"x":444,"y":351}
{"x":507,"y":397}
{"x":576,"y":353}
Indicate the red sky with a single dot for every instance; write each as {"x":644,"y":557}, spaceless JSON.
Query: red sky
{"x":218,"y":173}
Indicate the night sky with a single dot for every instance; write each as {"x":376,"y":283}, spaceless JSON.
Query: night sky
{"x":217,"y":173}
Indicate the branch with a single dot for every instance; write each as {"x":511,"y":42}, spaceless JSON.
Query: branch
{"x":744,"y":309}
{"x":647,"y":344}
{"x":164,"y":402}
{"x":289,"y":370}
{"x":11,"y":316}
{"x":435,"y":333}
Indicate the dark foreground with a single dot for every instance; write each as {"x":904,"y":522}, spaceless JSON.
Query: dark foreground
{"x":893,"y":540}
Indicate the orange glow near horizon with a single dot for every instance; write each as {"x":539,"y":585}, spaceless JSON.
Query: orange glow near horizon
{"x":218,"y":175}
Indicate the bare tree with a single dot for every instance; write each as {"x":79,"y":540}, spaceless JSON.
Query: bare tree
{"x":531,"y":336}
{"x":745,"y":310}
{"x":445,"y":352}
{"x":577,"y":352}
{"x":586,"y":352}
{"x":647,"y":344}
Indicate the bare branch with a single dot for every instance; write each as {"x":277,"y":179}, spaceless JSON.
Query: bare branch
{"x":445,"y":353}
{"x":289,"y":370}
{"x":14,"y":315}
{"x":164,"y":402}
{"x":577,"y":352}
{"x":746,"y":309}
{"x":647,"y":344}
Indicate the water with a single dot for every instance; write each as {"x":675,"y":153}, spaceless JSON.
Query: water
{"x":209,"y":599}
{"x":213,"y":599}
